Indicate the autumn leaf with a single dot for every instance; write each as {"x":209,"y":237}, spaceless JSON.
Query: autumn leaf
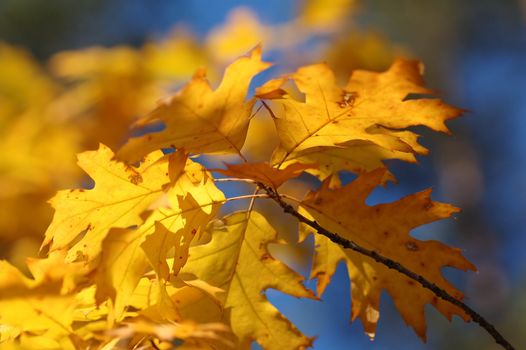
{"x":373,"y":108}
{"x":34,"y":310}
{"x":215,"y":121}
{"x":237,"y":260}
{"x":264,"y":173}
{"x":192,"y":199}
{"x":355,"y":156}
{"x":181,"y":298}
{"x":83,"y":218}
{"x":384,"y":228}
{"x":121,"y":266}
{"x":198,"y":336}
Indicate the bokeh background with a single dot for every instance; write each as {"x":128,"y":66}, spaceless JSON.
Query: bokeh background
{"x":74,"y":73}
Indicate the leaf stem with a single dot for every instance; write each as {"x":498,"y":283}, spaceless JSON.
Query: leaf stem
{"x":232,"y":179}
{"x":247,"y":196}
{"x":392,"y":264}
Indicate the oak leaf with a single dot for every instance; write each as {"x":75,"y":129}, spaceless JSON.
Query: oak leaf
{"x":121,"y":266}
{"x":237,"y":260}
{"x":186,"y":298}
{"x":215,"y":121}
{"x":195,"y":335}
{"x":191,"y":201}
{"x":372,"y":108}
{"x":194,"y":201}
{"x":34,"y":311}
{"x":385,"y":229}
{"x":264,"y":173}
{"x":83,"y":217}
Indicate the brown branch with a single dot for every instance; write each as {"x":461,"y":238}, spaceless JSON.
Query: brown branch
{"x":392,"y":264}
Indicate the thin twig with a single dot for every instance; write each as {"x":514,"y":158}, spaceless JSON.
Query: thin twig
{"x":294,"y":199}
{"x":247,"y":196}
{"x":233,"y":179}
{"x":392,"y":264}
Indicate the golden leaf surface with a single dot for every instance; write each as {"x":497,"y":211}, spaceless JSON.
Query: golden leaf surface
{"x":83,"y":217}
{"x":215,"y":121}
{"x":196,"y":336}
{"x":373,"y":108}
{"x":384,"y":228}
{"x":35,"y":310}
{"x":237,"y":260}
{"x":192,"y":200}
{"x":264,"y":173}
{"x":122,"y":264}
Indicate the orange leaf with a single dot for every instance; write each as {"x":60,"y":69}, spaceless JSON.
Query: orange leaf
{"x":264,"y":173}
{"x":385,"y":229}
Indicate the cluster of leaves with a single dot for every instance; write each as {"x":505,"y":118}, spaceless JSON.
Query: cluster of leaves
{"x":146,"y":258}
{"x":83,"y":97}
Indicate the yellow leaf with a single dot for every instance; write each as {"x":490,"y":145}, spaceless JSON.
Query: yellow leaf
{"x":34,"y":307}
{"x":385,"y":229}
{"x":192,"y":200}
{"x":372,"y":108}
{"x":187,"y":297}
{"x":198,"y":335}
{"x":54,"y":268}
{"x":215,"y":121}
{"x":355,"y":156}
{"x":237,"y":261}
{"x":83,"y":217}
{"x":122,"y":264}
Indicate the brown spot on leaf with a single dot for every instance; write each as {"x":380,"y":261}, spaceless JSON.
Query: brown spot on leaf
{"x":411,"y":246}
{"x":265,"y":256}
{"x":135,"y":178}
{"x":348,"y":98}
{"x":428,"y":204}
